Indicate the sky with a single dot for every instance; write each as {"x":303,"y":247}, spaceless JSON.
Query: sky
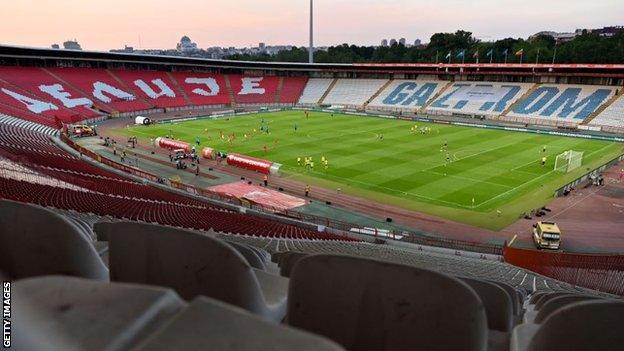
{"x":159,"y":24}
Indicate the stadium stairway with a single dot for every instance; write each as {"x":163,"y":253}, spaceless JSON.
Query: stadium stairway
{"x":604,"y":106}
{"x":383,"y":87}
{"x":435,"y":97}
{"x":129,"y":88}
{"x":179,"y":89}
{"x":522,"y":98}
{"x":230,"y":91}
{"x":278,"y":92}
{"x":329,"y":89}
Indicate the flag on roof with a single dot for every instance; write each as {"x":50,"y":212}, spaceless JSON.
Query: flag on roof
{"x":490,"y":53}
{"x":448,"y":55}
{"x":461,"y":54}
{"x":476,"y":54}
{"x":520,"y":52}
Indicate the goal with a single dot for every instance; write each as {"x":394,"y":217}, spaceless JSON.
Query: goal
{"x":568,"y":161}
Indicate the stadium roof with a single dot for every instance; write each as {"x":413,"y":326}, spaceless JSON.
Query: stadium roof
{"x":596,"y":70}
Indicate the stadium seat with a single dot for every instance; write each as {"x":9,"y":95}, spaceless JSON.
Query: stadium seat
{"x":192,"y":264}
{"x":572,"y":103}
{"x":314,"y":90}
{"x":353,"y":92}
{"x":612,"y":116}
{"x":498,"y":304}
{"x":210,"y":324}
{"x":37,"y":241}
{"x":365,"y":304}
{"x":63,"y":313}
{"x":560,"y":301}
{"x":288,"y":261}
{"x":250,"y":255}
{"x":482,"y":98}
{"x":587,"y":325}
{"x":407,"y":95}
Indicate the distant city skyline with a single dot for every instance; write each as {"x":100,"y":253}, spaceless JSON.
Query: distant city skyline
{"x":160,"y":24}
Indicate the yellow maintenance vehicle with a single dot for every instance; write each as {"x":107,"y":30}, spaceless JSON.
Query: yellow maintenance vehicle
{"x":546,"y":235}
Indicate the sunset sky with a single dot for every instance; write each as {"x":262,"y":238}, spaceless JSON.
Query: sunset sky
{"x":103,"y":25}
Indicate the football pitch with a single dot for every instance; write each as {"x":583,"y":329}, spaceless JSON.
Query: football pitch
{"x":482,"y":177}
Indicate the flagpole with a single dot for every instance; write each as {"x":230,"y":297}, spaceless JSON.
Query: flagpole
{"x":554,"y":54}
{"x":436,"y":59}
{"x":506,"y":54}
{"x":521,"y":55}
{"x":537,"y":58}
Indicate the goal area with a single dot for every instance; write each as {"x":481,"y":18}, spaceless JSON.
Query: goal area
{"x":568,"y":161}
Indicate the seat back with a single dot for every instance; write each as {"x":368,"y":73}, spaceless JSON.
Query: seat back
{"x":36,"y":241}
{"x":250,"y":255}
{"x":587,"y":325}
{"x":498,"y":304}
{"x":547,"y":297}
{"x":556,"y":303}
{"x":514,"y":294}
{"x":288,"y":262}
{"x":365,"y":304}
{"x":190,"y":263}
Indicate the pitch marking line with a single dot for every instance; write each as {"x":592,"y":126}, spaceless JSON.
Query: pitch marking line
{"x":534,"y":179}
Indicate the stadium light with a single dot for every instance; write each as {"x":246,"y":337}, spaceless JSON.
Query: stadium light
{"x":311,"y":48}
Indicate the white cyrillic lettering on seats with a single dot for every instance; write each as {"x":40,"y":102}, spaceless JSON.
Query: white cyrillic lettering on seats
{"x":33,"y":105}
{"x":58,"y":92}
{"x":211,"y":83}
{"x":251,"y":86}
{"x":165,"y":90}
{"x":99,"y":88}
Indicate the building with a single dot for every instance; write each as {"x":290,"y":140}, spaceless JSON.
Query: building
{"x":608,"y":31}
{"x":402,"y":41}
{"x":393,"y":42}
{"x":72,"y":45}
{"x":384,"y":42}
{"x":186,"y":45}
{"x":417,"y":42}
{"x":55,"y":46}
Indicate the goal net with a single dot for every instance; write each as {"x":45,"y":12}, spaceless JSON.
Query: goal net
{"x":568,"y":161}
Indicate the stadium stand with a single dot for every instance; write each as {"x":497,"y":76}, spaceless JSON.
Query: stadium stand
{"x":72,"y":106}
{"x":103,"y":88}
{"x":94,"y":190}
{"x":353,"y":92}
{"x":409,"y":302}
{"x":203,"y":88}
{"x":314,"y":90}
{"x":154,"y":86}
{"x":612,"y":116}
{"x":292,"y":89}
{"x":482,"y":98}
{"x":406,"y":95}
{"x":559,"y":102}
{"x":254,"y":90}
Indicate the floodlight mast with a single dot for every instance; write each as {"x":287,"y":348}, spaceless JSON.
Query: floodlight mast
{"x":311,"y":48}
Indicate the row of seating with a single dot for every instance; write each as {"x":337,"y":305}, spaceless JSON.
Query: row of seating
{"x":357,"y":303}
{"x":551,"y":104}
{"x":52,"y":95}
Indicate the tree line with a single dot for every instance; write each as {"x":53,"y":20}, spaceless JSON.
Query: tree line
{"x":461,"y":46}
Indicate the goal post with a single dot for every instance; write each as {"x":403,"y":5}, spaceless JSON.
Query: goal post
{"x":568,"y":161}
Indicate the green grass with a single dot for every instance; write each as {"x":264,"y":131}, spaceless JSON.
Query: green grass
{"x":501,"y":170}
